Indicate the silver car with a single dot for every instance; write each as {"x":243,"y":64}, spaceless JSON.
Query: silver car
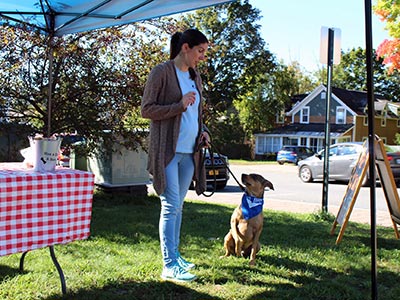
{"x":342,"y":158}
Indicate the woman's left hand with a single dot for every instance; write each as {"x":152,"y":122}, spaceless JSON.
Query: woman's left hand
{"x":205,"y":138}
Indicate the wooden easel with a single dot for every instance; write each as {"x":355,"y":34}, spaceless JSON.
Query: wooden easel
{"x":353,"y":188}
{"x":388,"y":185}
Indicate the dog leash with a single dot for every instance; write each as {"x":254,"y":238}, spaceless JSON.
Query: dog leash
{"x":211,"y":154}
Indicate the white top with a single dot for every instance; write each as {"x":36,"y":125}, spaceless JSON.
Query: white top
{"x":189,"y":122}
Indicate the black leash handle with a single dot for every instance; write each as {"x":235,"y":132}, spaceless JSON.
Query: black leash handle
{"x":212,"y":166}
{"x":209,"y":149}
{"x":223,"y":161}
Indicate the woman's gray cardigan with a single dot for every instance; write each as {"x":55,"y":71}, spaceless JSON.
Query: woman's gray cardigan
{"x":162,"y":104}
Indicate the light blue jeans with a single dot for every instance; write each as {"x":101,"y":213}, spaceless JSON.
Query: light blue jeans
{"x":179,"y":174}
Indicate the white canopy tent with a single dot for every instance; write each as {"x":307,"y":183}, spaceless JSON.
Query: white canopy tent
{"x":59,"y":17}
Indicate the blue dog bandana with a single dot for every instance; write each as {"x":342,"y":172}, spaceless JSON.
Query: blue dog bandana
{"x":251,"y":206}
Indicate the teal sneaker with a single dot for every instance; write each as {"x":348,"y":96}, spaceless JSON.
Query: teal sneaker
{"x":177,"y":273}
{"x":186,"y":265}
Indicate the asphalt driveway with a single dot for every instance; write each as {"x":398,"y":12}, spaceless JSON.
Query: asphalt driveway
{"x":293,"y":195}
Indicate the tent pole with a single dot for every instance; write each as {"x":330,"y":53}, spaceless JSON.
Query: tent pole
{"x":371,"y":144}
{"x":50,"y":20}
{"x":50,"y":83}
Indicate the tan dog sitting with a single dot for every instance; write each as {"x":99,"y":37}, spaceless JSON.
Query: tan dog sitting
{"x":247,"y":219}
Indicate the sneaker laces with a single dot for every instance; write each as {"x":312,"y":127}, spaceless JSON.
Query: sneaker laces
{"x":184,"y":263}
{"x":178,"y":270}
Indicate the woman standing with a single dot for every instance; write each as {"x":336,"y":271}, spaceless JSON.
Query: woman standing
{"x":172,"y":100}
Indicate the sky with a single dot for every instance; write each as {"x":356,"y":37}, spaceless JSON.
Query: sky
{"x":292,"y":28}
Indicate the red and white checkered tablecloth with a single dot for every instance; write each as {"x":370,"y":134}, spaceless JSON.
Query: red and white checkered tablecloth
{"x":43,"y":209}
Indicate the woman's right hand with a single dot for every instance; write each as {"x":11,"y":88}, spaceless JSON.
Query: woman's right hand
{"x":188,"y":99}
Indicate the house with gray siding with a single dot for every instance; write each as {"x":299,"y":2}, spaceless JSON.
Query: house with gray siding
{"x":304,"y":122}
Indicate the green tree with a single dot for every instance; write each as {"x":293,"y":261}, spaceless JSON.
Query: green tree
{"x":259,"y":108}
{"x":351,"y":74}
{"x":397,"y":141}
{"x":290,"y":80}
{"x":98,"y":79}
{"x":236,"y":60}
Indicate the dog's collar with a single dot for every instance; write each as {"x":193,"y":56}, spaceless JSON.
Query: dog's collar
{"x":251,"y":206}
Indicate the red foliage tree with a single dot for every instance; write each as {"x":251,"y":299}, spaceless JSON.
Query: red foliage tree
{"x":389,"y":50}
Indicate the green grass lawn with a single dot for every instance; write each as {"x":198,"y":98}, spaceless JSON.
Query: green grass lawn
{"x":122,"y":260}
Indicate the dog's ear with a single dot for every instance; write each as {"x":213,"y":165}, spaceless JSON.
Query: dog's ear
{"x":268,"y":184}
{"x":243,"y":177}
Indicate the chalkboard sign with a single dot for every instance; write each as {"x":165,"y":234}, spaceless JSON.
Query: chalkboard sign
{"x":388,"y":185}
{"x":353,"y":188}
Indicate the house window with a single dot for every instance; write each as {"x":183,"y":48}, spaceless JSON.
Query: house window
{"x":266,"y":144}
{"x":314,"y":144}
{"x":304,"y":115}
{"x":273,"y":144}
{"x":365,"y":121}
{"x":340,"y":115}
{"x":260,"y":144}
{"x":276,"y":144}
{"x":289,"y":141}
{"x":323,"y":95}
{"x":280,"y":117}
{"x":383,"y":122}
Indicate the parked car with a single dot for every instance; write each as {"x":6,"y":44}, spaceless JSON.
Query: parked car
{"x":293,"y":154}
{"x":342,"y":159}
{"x":394,"y":161}
{"x":217,"y":173}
